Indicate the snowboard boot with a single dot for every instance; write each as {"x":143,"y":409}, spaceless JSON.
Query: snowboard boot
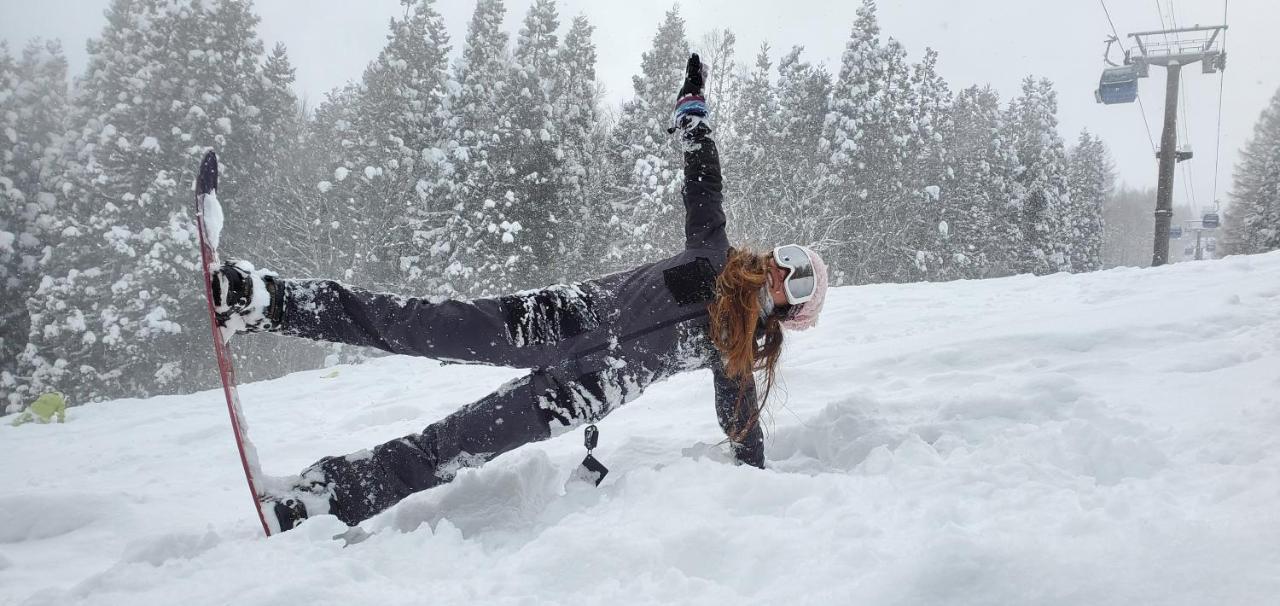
{"x":247,"y":299}
{"x":289,"y":505}
{"x":289,"y":512}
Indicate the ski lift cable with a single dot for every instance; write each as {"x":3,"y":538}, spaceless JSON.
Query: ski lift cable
{"x":1113,"y":26}
{"x":1160,"y":13}
{"x":1222,"y":78}
{"x":1188,"y":176}
{"x":1224,"y":23}
{"x":1182,"y":82}
{"x":1184,"y":121}
{"x":1151,"y":140}
{"x":1145,"y":123}
{"x":1187,"y":188}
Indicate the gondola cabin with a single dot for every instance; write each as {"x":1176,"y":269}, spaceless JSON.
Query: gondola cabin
{"x":1210,"y":221}
{"x":1117,"y":85}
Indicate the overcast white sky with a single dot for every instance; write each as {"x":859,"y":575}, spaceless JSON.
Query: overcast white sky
{"x":980,"y":41}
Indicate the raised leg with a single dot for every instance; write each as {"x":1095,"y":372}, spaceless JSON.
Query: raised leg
{"x":521,"y":331}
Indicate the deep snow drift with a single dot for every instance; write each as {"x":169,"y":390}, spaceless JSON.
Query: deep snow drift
{"x":1111,"y":438}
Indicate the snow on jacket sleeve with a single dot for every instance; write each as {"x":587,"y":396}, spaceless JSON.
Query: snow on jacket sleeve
{"x":736,"y":408}
{"x":704,"y":226}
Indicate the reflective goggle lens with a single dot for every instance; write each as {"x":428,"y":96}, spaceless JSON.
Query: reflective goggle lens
{"x":800,"y":282}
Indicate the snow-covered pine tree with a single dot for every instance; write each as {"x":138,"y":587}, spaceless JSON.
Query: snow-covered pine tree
{"x":280,"y":205}
{"x":274,"y":189}
{"x":895,"y":255}
{"x":338,"y":151}
{"x":213,"y":62}
{"x":983,"y":197}
{"x":866,"y":133}
{"x":717,"y":50}
{"x":34,"y":98}
{"x":479,"y":237}
{"x":166,"y":81}
{"x":532,"y":154}
{"x":384,"y":182}
{"x":8,"y":77}
{"x":230,"y":104}
{"x":273,"y":142}
{"x":756,"y":177}
{"x":858,"y":93}
{"x":12,"y":202}
{"x":222,"y":98}
{"x":272,"y":94}
{"x":646,"y":163}
{"x":804,"y":92}
{"x":1091,"y":179}
{"x":1033,"y":131}
{"x":1254,"y":214}
{"x":33,"y":105}
{"x":928,"y":169}
{"x":80,"y":342}
{"x":301,"y":201}
{"x":8,"y":90}
{"x":580,"y":177}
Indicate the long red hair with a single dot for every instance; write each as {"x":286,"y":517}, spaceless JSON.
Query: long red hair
{"x":735,"y":320}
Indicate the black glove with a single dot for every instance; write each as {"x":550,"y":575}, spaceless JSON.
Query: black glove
{"x":695,"y":75}
{"x":691,"y":111}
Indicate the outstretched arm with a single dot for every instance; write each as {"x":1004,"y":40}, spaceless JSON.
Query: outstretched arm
{"x":739,"y":416}
{"x":704,"y":226}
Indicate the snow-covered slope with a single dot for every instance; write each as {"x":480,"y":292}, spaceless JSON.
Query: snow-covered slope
{"x":1111,"y":438}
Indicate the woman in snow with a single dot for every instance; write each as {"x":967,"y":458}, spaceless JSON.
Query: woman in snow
{"x":592,"y":345}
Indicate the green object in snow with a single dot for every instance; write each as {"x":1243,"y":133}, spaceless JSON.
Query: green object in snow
{"x":44,"y":409}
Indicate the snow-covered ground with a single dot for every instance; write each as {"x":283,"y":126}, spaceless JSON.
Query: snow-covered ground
{"x":1111,"y":438}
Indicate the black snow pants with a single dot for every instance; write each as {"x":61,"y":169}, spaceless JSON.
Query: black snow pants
{"x":530,"y":330}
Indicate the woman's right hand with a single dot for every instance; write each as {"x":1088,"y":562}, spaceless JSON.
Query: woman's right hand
{"x":695,"y":76}
{"x":691,"y":107}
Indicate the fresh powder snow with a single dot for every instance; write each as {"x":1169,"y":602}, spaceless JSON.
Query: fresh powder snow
{"x":1100,"y":438}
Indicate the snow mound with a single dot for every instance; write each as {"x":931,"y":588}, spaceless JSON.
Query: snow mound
{"x":1108,"y":438}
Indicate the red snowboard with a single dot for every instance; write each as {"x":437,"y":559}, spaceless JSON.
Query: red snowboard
{"x":209,"y":224}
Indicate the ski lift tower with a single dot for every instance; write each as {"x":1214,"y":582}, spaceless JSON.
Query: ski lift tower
{"x":1172,"y":49}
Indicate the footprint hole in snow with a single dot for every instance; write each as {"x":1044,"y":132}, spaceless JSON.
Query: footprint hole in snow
{"x":174,"y":546}
{"x":37,"y":517}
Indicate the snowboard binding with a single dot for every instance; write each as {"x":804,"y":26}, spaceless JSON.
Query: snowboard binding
{"x":246,"y":299}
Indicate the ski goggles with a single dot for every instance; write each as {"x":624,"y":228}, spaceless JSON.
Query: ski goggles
{"x":800,"y":283}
